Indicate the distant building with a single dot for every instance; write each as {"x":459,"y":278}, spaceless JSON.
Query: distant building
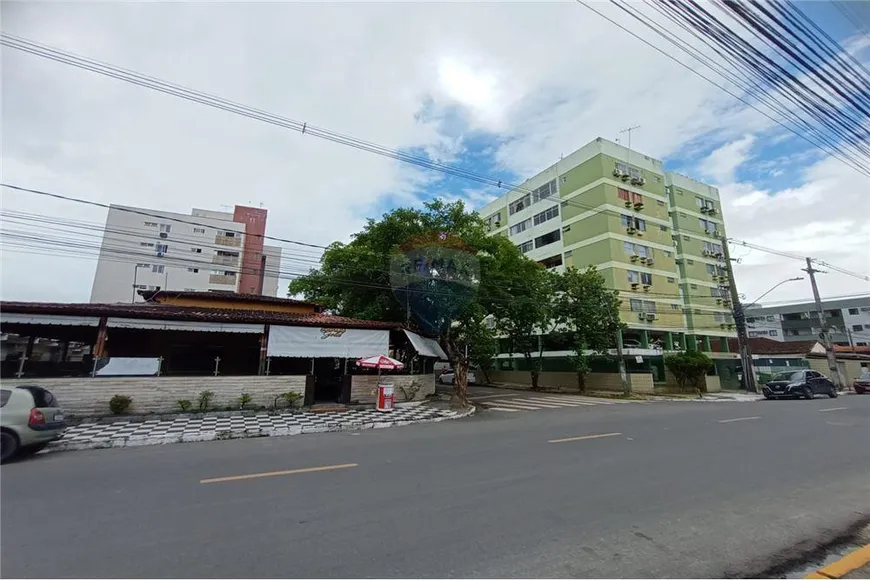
{"x":849,"y":320}
{"x":146,"y":249}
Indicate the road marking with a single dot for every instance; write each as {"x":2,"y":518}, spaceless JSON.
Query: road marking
{"x":848,"y":563}
{"x":510,"y":403}
{"x":505,"y":409}
{"x":833,"y":409}
{"x":584,"y":437}
{"x":276,"y":473}
{"x":546,"y":403}
{"x":566,"y":401}
{"x":739,"y":419}
{"x":488,"y":397}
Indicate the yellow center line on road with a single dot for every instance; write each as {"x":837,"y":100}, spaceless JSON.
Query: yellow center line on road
{"x":584,"y":437}
{"x":738,"y":419}
{"x":845,"y":565}
{"x":833,"y":409}
{"x":277,"y":473}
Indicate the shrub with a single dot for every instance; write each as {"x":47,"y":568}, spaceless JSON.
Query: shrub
{"x":119,"y":404}
{"x":184,"y":405}
{"x":690,"y":369}
{"x":291,"y":399}
{"x":244,"y":399}
{"x":204,"y":400}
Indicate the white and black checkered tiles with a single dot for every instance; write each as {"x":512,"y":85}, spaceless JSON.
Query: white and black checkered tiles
{"x":129,"y":433}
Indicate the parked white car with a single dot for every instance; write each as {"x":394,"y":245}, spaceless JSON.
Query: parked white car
{"x":446,"y":377}
{"x":30,"y":419}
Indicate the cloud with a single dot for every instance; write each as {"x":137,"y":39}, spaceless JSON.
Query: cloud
{"x":721,"y":164}
{"x":498,"y":88}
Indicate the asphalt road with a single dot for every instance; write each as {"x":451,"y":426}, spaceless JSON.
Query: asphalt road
{"x":670,"y":490}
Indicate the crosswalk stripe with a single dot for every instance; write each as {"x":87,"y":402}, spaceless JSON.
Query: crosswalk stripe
{"x":507,"y":403}
{"x":572,"y":402}
{"x":505,"y":409}
{"x":594,"y":400}
{"x":544,"y":404}
{"x":550,"y":402}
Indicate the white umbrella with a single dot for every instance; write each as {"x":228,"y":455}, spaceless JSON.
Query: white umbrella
{"x":380,"y":362}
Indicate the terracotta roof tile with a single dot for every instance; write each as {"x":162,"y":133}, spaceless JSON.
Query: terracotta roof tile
{"x":170,"y":312}
{"x":150,"y":295}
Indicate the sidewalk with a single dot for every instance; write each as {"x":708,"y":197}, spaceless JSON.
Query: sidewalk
{"x":184,"y":429}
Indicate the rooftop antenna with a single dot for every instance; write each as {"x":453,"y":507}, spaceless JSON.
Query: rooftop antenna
{"x":629,"y":130}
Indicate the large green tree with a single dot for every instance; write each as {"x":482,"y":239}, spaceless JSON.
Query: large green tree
{"x":524,"y":311}
{"x":434,"y":268}
{"x":587,"y":313}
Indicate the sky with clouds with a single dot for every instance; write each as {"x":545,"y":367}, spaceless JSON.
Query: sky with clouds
{"x":502,"y":89}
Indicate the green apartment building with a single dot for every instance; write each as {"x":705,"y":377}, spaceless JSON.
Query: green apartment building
{"x":654,"y":235}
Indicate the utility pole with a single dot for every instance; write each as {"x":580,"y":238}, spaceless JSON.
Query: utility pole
{"x":740,"y":322}
{"x":623,"y":375}
{"x":825,"y":334}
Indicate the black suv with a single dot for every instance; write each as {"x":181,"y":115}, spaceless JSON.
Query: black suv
{"x":798,"y":384}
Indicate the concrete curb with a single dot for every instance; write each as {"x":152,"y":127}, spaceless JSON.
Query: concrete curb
{"x":848,"y":563}
{"x":141,"y":440}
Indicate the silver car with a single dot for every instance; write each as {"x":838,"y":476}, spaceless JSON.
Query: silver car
{"x":30,"y":419}
{"x":446,"y":377}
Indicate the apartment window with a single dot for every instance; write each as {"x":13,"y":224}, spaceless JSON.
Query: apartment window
{"x":675,"y":306}
{"x":544,"y":191}
{"x":711,"y":269}
{"x":623,"y":194}
{"x":636,"y":198}
{"x":157,"y":268}
{"x":196,"y":250}
{"x":546,"y":215}
{"x":646,"y":278}
{"x":685,"y":238}
{"x":774,"y":333}
{"x":657,"y":178}
{"x":569,"y":253}
{"x":770,"y":317}
{"x":229,"y":273}
{"x":660,"y":202}
{"x":663,"y":228}
{"x":857,"y":327}
{"x":229,"y":234}
{"x":161,"y":248}
{"x":672,"y":280}
{"x":165,"y":228}
{"x":707,"y":226}
{"x":865,"y":309}
{"x":193,"y":270}
{"x":151,"y":224}
{"x":649,"y":306}
{"x":633,"y":277}
{"x":147,"y":244}
{"x":634,"y":172}
{"x":628,"y":221}
{"x":143,"y":265}
{"x":668,"y":253}
{"x":520,"y":227}
{"x":547,"y":239}
{"x":693,"y":286}
{"x":682,"y":215}
{"x":792,"y":332}
{"x":690,"y":262}
{"x":526,"y":247}
{"x":853,"y":311}
{"x":227,"y":254}
{"x":703,"y":203}
{"x":628,"y":248}
{"x":520,"y":204}
{"x":636,"y":305}
{"x":563,"y":179}
{"x":141,"y":287}
{"x":493,"y":221}
{"x":679,"y":191}
{"x":199,"y":230}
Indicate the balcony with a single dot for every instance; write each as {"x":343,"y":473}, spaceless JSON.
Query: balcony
{"x":233,"y":242}
{"x":222,"y":279}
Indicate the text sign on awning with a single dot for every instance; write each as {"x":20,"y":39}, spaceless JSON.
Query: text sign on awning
{"x":313,"y":342}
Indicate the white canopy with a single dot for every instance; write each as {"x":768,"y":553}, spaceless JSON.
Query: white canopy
{"x":425,"y":346}
{"x":314,"y":342}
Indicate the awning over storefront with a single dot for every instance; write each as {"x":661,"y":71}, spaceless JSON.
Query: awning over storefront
{"x":313,"y":342}
{"x":425,"y":346}
{"x":146,"y":324}
{"x":49,"y":319}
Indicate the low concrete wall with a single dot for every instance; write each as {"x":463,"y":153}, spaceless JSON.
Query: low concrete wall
{"x":713,"y":384}
{"x":363,"y":388}
{"x":89,"y":397}
{"x":567,"y":381}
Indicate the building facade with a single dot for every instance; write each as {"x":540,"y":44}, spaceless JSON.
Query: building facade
{"x":849,"y":320}
{"x":145,"y":249}
{"x":655,"y":236}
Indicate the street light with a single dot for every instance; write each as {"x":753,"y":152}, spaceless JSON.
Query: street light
{"x":774,"y":288}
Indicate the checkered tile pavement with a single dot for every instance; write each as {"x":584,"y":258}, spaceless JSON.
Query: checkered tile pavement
{"x":122,"y":433}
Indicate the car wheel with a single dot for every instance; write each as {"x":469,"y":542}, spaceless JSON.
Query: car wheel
{"x":808,"y":393}
{"x":768,"y":397}
{"x":833,"y":393}
{"x":8,"y":445}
